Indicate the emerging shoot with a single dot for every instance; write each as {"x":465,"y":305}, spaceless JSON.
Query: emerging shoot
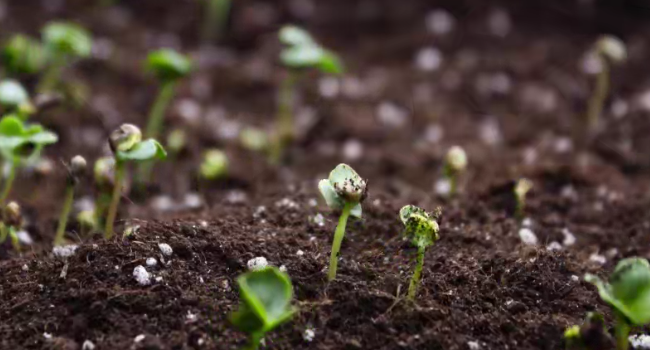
{"x":421,"y":228}
{"x":23,"y":55}
{"x":15,"y":99}
{"x":455,"y":165}
{"x":11,"y":222}
{"x":65,"y":42}
{"x":591,"y":334}
{"x":628,"y":293}
{"x":216,"y":18}
{"x":521,"y":189}
{"x":104,"y":175}
{"x":214,"y":165}
{"x":265,"y":303}
{"x":344,"y":190}
{"x":76,"y":169}
{"x":127,"y":145}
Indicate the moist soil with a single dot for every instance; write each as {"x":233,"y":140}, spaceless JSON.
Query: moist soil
{"x":514,"y":98}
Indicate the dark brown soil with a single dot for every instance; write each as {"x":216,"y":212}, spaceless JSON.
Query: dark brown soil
{"x":481,"y":286}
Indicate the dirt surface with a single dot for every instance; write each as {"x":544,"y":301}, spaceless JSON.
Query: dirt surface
{"x":509,"y":89}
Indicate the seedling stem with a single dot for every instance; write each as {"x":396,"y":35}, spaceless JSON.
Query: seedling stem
{"x":338,"y":239}
{"x":600,"y":95}
{"x":8,"y":184}
{"x":415,"y":280}
{"x":285,"y":132}
{"x":115,"y":200}
{"x":63,"y":220}
{"x":622,"y":331}
{"x":157,"y":115}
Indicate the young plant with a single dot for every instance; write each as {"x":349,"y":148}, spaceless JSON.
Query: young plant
{"x":254,"y":139}
{"x":265,"y":304}
{"x":216,"y":18}
{"x":214,"y":165}
{"x":628,"y":293}
{"x":11,"y":222}
{"x":455,"y":164}
{"x":522,"y":187}
{"x":65,"y":42}
{"x":592,"y":334}
{"x":20,"y":142}
{"x":23,"y":55}
{"x":127,"y":146}
{"x":610,"y":50}
{"x":15,"y":99}
{"x":421,"y":228}
{"x":302,"y":52}
{"x":344,"y":190}
{"x":75,"y":171}
{"x":104,"y":175}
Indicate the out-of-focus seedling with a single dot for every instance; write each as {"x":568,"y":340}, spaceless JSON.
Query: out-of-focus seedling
{"x":214,"y":165}
{"x":592,"y":334}
{"x":421,"y":228}
{"x":104,"y":176}
{"x":23,"y":55}
{"x":176,"y":141}
{"x":65,"y":43}
{"x":216,"y":18}
{"x":455,"y":165}
{"x":15,"y":99}
{"x":127,"y":146}
{"x":628,"y":293}
{"x":344,"y":190}
{"x":254,"y":139}
{"x":522,"y":187}
{"x":11,"y":222}
{"x":301,"y":52}
{"x":75,"y":170}
{"x":20,"y":142}
{"x":610,"y":50}
{"x":265,"y":304}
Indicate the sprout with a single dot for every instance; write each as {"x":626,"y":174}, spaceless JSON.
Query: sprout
{"x":592,"y":334}
{"x":265,"y":303}
{"x":11,"y":221}
{"x":455,"y":164}
{"x":611,"y":51}
{"x":214,"y":165}
{"x":422,"y":230}
{"x":14,"y":98}
{"x":176,"y":141}
{"x":127,"y":145}
{"x":301,"y":52}
{"x":216,"y":18}
{"x":20,"y":142}
{"x":23,"y":55}
{"x":65,"y":42}
{"x":104,"y":174}
{"x":76,"y":169}
{"x":344,"y":190}
{"x":522,"y":188}
{"x":628,"y":293}
{"x":254,"y":139}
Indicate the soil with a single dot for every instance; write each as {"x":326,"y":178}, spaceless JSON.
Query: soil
{"x":511,"y":93}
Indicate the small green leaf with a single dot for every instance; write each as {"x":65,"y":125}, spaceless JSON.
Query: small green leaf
{"x":168,"y":65}
{"x":420,"y":228}
{"x":330,"y":63}
{"x":23,"y":54}
{"x":214,"y":165}
{"x":68,"y":38}
{"x":295,"y":36}
{"x":12,"y":94}
{"x":43,"y":138}
{"x":11,"y":126}
{"x":408,"y":210}
{"x":298,"y":57}
{"x":347,"y":183}
{"x":146,"y":150}
{"x":333,"y":200}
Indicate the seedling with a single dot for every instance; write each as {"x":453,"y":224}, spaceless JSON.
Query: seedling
{"x":127,"y":145}
{"x":15,"y":99}
{"x":610,"y":50}
{"x":20,"y":142}
{"x":628,"y":293}
{"x":65,"y":42}
{"x":344,"y":190}
{"x":592,"y":330}
{"x":12,"y":220}
{"x":104,"y":175}
{"x":176,"y":141}
{"x":302,"y":52}
{"x":421,"y":228}
{"x":455,"y":164}
{"x":265,"y":303}
{"x":214,"y":165}
{"x":216,"y":18}
{"x":254,"y":139}
{"x":23,"y":55}
{"x":75,"y":171}
{"x":522,"y":188}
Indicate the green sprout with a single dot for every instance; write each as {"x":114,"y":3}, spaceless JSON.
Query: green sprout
{"x":19,"y":143}
{"x":422,"y":229}
{"x":610,"y":50}
{"x":127,"y":145}
{"x":104,"y":175}
{"x":301,"y":52}
{"x":65,"y":42}
{"x":265,"y":303}
{"x":15,"y":99}
{"x":628,"y":293}
{"x":522,"y":187}
{"x":592,"y":330}
{"x":75,"y":171}
{"x":455,"y":164}
{"x":216,"y":18}
{"x":214,"y":165}
{"x":344,"y":190}
{"x":23,"y":55}
{"x":12,"y":220}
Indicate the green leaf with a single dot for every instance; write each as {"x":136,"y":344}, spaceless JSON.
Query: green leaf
{"x":144,"y":150}
{"x":295,"y":36}
{"x":23,"y":54}
{"x":214,"y":165}
{"x":330,"y":63}
{"x":168,"y":65}
{"x":333,"y":200}
{"x":12,"y":94}
{"x":308,"y":56}
{"x":11,"y":126}
{"x":420,"y":228}
{"x":68,"y":39}
{"x":43,"y":138}
{"x":408,"y":210}
{"x":348,"y":184}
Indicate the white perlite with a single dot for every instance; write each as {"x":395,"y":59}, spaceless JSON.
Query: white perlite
{"x":139,"y":338}
{"x":473,"y":345}
{"x":257,"y":263}
{"x":165,"y":249}
{"x":527,"y":236}
{"x":283,"y":268}
{"x":25,"y":267}
{"x":300,"y":253}
{"x":309,"y":334}
{"x":152,"y":262}
{"x":443,"y":187}
{"x":141,"y":275}
{"x":569,"y":238}
{"x":319,"y":220}
{"x":428,"y":59}
{"x":554,"y":246}
{"x":598,"y":259}
{"x":65,"y":250}
{"x":88,"y":345}
{"x":640,"y":341}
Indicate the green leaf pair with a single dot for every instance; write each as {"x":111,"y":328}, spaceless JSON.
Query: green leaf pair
{"x":24,"y":55}
{"x":421,"y":228}
{"x":68,"y":39}
{"x":17,"y":137}
{"x":127,"y":144}
{"x":168,"y":65}
{"x":303,"y":51}
{"x":343,"y":186}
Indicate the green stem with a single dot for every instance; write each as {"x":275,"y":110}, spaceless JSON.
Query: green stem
{"x":14,"y":238}
{"x":215,"y":20}
{"x":8,"y":185}
{"x":622,"y":331}
{"x":520,"y":209}
{"x":102,"y":202}
{"x":63,"y":219}
{"x":157,"y":113}
{"x":3,"y":232}
{"x":415,"y":280}
{"x":115,"y":200}
{"x":338,"y":238}
{"x":253,"y":342}
{"x":52,"y":75}
{"x":597,"y":100}
{"x":284,"y":132}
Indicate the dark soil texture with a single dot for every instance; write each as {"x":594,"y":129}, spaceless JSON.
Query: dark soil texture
{"x":508,"y":87}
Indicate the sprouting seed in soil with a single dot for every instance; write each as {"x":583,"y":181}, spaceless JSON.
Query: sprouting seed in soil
{"x":421,"y":228}
{"x":455,"y":165}
{"x":628,"y":293}
{"x":521,"y":189}
{"x":216,"y":18}
{"x":301,"y":52}
{"x":20,"y":143}
{"x":214,"y":165}
{"x":15,"y":99}
{"x":610,"y":50}
{"x":593,"y":327}
{"x":265,"y":303}
{"x":12,"y":221}
{"x":23,"y":55}
{"x":344,"y":190}
{"x":104,"y":176}
{"x":76,"y":170}
{"x":65,"y":42}
{"x":127,"y":146}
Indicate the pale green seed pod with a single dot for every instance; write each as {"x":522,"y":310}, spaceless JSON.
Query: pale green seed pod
{"x":125,"y":137}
